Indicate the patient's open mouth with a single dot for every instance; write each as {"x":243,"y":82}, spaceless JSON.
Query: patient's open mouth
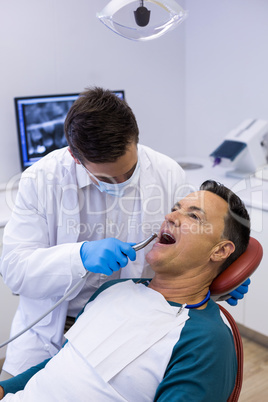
{"x":167,"y":238}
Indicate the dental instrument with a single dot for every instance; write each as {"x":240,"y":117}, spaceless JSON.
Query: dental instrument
{"x":145,"y":242}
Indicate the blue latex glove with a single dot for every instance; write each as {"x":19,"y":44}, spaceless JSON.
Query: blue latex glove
{"x":106,"y":256}
{"x":238,"y":293}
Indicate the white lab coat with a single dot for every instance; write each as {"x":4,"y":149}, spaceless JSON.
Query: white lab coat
{"x":41,"y":258}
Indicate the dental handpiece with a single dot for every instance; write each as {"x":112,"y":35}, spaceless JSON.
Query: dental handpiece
{"x":145,"y":242}
{"x":136,"y":247}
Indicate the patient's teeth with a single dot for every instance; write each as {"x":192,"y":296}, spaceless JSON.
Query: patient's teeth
{"x":167,"y":238}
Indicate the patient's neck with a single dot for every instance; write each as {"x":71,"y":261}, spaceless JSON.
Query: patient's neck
{"x":181,"y":289}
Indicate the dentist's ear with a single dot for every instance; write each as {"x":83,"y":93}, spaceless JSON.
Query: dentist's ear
{"x":75,"y":159}
{"x":222,"y":251}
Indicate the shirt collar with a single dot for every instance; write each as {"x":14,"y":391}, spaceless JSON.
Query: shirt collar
{"x":83,"y":178}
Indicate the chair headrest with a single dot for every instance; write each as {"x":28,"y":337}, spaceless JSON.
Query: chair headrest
{"x":238,"y":271}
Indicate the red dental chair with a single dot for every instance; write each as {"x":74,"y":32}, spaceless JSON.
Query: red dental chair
{"x":228,"y":280}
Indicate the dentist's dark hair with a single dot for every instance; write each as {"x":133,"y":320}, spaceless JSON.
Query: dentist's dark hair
{"x":236,"y":221}
{"x":100,"y":126}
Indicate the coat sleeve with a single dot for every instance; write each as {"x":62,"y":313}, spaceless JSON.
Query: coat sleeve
{"x":18,"y":382}
{"x":31,"y":264}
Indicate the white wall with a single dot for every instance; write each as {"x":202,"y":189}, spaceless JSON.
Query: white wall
{"x":59,"y":46}
{"x":226,"y":79}
{"x":226,"y":69}
{"x":187,"y":88}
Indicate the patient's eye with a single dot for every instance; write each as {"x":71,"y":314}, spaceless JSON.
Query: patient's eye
{"x":192,"y":211}
{"x":175,"y":207}
{"x":195,"y":216}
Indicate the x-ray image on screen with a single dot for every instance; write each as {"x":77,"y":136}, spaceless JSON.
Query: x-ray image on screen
{"x":40,"y":122}
{"x":44,"y":126}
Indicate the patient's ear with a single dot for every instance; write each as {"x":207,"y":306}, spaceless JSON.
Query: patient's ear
{"x":222,"y":251}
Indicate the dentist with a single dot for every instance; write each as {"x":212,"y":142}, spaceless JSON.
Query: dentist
{"x":102,"y":186}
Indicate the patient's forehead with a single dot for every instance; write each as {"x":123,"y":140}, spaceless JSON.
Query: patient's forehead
{"x":212,"y":204}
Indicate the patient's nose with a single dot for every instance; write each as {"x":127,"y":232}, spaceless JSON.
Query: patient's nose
{"x":173,"y":218}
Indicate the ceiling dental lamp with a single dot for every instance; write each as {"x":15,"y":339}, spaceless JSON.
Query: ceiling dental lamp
{"x":142,"y":20}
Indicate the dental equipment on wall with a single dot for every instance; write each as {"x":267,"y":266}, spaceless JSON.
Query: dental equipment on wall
{"x":136,"y":247}
{"x":133,"y":20}
{"x":244,"y":148}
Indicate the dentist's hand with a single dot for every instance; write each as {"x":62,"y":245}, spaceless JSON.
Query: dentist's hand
{"x":238,"y":293}
{"x":106,"y":256}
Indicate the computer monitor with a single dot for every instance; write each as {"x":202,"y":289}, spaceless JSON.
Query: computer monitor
{"x":40,"y":124}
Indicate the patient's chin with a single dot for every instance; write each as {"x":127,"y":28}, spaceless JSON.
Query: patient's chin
{"x":147,"y":257}
{"x":151,"y":257}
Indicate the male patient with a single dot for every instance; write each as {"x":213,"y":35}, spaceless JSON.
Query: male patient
{"x":161,"y":339}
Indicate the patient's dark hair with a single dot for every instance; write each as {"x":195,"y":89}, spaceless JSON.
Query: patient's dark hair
{"x":236,"y":222}
{"x":100,"y":127}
